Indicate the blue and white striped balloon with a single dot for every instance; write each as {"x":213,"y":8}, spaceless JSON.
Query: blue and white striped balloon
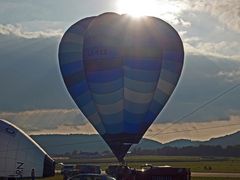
{"x":120,"y":72}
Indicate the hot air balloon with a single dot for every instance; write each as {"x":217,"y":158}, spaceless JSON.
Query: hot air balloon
{"x":19,"y":154}
{"x":120,"y":72}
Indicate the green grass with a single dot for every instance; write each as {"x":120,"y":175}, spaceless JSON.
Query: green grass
{"x":197,"y":164}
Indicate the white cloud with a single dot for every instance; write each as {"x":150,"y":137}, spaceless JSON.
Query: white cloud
{"x":223,"y":49}
{"x":193,"y":130}
{"x":182,"y":33}
{"x":180,"y":22}
{"x":191,"y":39}
{"x":231,"y":76}
{"x":221,"y":41}
{"x":63,"y":121}
{"x":18,"y":30}
{"x":227,"y":11}
{"x":36,"y":120}
{"x":67,"y":129}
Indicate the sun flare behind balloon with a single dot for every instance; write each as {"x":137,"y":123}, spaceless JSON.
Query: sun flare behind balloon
{"x":137,"y":8}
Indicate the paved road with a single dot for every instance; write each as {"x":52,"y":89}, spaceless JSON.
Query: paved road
{"x":202,"y":174}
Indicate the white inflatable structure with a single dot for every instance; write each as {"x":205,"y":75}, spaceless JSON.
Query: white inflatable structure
{"x":19,"y":154}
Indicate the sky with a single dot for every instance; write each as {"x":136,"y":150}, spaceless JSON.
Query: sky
{"x":33,"y":95}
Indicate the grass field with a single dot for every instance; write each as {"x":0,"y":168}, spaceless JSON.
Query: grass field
{"x":59,"y":177}
{"x":196,"y":164}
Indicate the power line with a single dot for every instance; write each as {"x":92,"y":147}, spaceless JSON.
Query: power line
{"x":196,"y":129}
{"x":200,"y":107}
{"x":174,"y":122}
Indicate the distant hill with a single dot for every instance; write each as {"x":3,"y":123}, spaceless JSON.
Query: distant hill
{"x":182,"y":143}
{"x":228,"y":140}
{"x":148,"y":144}
{"x":61,"y":144}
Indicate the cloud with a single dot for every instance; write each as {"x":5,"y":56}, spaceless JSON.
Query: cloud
{"x":231,"y":76}
{"x":223,"y":49}
{"x":165,"y":132}
{"x":179,"y":22}
{"x":18,"y":30}
{"x":71,"y":121}
{"x":67,"y":129}
{"x":40,"y":120}
{"x":227,"y":11}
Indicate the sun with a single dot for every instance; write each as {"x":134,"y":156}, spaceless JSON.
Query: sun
{"x":158,"y":8}
{"x":137,"y":8}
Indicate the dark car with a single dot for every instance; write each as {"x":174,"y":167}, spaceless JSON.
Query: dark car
{"x":70,"y":170}
{"x":113,"y":170}
{"x":91,"y":177}
{"x":163,"y":172}
{"x":88,"y":168}
{"x":67,"y":168}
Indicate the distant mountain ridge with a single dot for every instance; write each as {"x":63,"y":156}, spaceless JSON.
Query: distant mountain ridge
{"x":61,"y":144}
{"x":228,"y":140}
{"x":224,"y":141}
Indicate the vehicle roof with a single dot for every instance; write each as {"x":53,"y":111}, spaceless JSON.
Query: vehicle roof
{"x":91,"y":174}
{"x":68,"y":164}
{"x":87,"y":165}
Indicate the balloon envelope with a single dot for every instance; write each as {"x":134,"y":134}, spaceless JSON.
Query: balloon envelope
{"x":120,"y":72}
{"x":19,"y":154}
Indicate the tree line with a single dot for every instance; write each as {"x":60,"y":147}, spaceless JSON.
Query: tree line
{"x":201,"y":150}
